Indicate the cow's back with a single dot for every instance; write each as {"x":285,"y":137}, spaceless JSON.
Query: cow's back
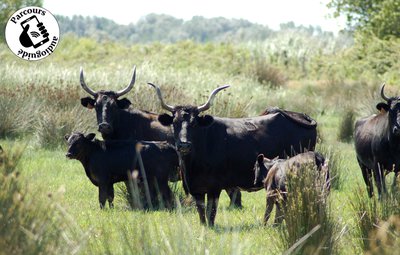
{"x":114,"y":160}
{"x":159,"y":158}
{"x":233,"y":144}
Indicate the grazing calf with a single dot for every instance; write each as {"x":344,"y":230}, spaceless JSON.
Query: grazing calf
{"x":109,"y":162}
{"x":272,"y":174}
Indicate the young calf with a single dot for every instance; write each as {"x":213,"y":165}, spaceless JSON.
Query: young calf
{"x":272,"y":174}
{"x":109,"y":162}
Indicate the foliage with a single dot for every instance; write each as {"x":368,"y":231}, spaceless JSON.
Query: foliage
{"x":385,"y":238}
{"x":371,"y":214}
{"x":266,"y":73}
{"x":336,"y":166}
{"x":28,"y":225}
{"x":379,"y":17}
{"x":167,"y":29}
{"x":346,"y":126}
{"x":8,"y":7}
{"x":308,"y":214}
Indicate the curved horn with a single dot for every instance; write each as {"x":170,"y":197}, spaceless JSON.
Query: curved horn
{"x":164,"y":105}
{"x":84,"y":86}
{"x":207,"y":105}
{"x":383,"y":93}
{"x":130,"y":86}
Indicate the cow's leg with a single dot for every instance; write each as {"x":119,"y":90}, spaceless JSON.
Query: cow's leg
{"x":212,"y":205}
{"x":189,"y":199}
{"x":379,"y":179}
{"x":110,"y":195}
{"x":166,"y":194}
{"x":200,"y":205}
{"x":279,"y":211}
{"x":367,"y":175}
{"x":102,"y":195}
{"x":235,"y":196}
{"x":268,"y":208}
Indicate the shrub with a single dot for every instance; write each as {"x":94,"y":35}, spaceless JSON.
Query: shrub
{"x":372,"y":213}
{"x":308,"y":214}
{"x":335,"y":165}
{"x":17,"y":114}
{"x":385,"y":238}
{"x":346,"y":126}
{"x":53,"y":124}
{"x":265,"y":73}
{"x":28,"y":225}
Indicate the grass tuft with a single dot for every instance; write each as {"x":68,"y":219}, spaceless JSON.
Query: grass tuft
{"x":310,"y":228}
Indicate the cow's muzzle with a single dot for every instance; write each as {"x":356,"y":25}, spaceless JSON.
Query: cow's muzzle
{"x":69,"y":155}
{"x":184,"y":148}
{"x":105,"y":128}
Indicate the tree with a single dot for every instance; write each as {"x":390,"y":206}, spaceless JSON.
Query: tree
{"x":381,"y":17}
{"x":8,"y":7}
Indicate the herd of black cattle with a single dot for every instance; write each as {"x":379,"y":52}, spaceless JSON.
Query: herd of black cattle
{"x":210,"y":154}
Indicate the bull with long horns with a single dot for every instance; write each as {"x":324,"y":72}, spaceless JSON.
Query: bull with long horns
{"x":218,"y":153}
{"x":377,"y":143}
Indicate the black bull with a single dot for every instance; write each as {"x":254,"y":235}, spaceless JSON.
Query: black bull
{"x":219,"y":153}
{"x":377,"y":143}
{"x":116,"y":120}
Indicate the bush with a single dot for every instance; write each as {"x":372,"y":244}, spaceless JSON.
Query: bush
{"x":335,"y":164}
{"x":28,"y":225}
{"x":265,"y":73}
{"x":385,"y":238}
{"x":310,"y":228}
{"x":54,"y":124}
{"x":372,"y":213}
{"x":17,"y":114}
{"x":346,"y":126}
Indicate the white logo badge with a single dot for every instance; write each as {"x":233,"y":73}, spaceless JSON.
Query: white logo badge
{"x":32,"y":33}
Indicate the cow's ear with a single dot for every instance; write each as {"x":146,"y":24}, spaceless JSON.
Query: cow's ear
{"x":66,"y":137}
{"x":123,"y":103}
{"x":205,"y":121}
{"x":382,"y":107}
{"x":88,"y":102}
{"x":90,"y":136}
{"x":165,"y":119}
{"x":260,"y":159}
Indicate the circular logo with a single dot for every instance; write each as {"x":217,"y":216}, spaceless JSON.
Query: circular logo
{"x":32,"y":33}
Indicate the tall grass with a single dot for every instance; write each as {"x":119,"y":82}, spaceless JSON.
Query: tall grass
{"x":346,"y":126}
{"x":29,"y":225}
{"x":336,"y":165}
{"x":371,"y":215}
{"x":310,"y":227}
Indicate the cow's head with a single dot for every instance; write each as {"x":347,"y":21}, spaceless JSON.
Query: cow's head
{"x":185,"y":119}
{"x":106,"y":104}
{"x":392,"y":106}
{"x":76,"y":144}
{"x":261,"y":169}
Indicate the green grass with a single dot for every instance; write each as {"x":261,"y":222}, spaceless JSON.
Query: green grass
{"x":39,"y":103}
{"x":177,"y":232}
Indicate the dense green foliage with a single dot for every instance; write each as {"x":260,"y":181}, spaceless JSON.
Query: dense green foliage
{"x":379,"y":17}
